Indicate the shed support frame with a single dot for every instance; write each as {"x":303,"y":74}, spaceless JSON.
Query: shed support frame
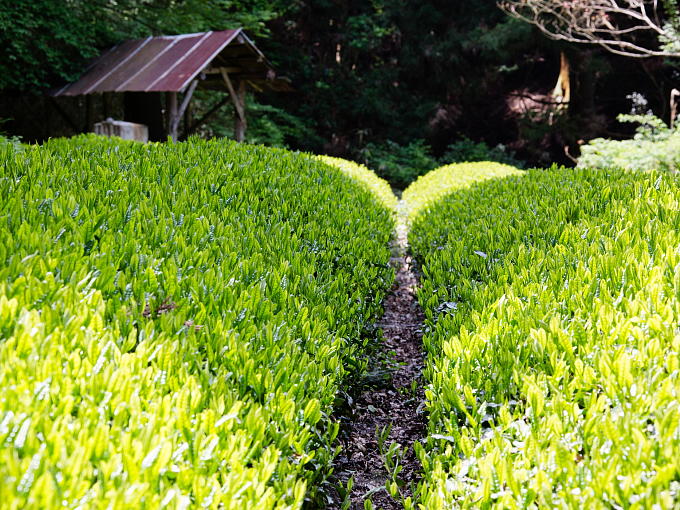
{"x":161,"y":66}
{"x":238,"y":97}
{"x":175,"y":113}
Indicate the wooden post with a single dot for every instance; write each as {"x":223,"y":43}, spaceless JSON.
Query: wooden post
{"x":241,"y":122}
{"x":176,"y":114}
{"x":188,"y":118}
{"x":239,"y":100}
{"x":172,"y":115}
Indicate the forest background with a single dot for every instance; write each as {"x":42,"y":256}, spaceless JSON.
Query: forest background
{"x":400,"y":85}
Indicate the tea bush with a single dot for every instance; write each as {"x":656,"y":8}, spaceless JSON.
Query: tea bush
{"x":175,"y":320}
{"x":431,"y":187}
{"x":379,"y":187}
{"x":11,"y":142}
{"x":552,"y":302}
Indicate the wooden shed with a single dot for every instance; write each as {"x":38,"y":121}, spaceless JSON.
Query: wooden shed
{"x":174,"y":67}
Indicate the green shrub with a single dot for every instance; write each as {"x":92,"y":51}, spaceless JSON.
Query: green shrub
{"x":552,"y":302}
{"x":12,"y":142}
{"x":465,"y":150}
{"x":267,"y":124}
{"x":399,"y":164}
{"x":379,"y":187}
{"x":654,"y":147}
{"x":175,"y":321}
{"x":433,"y":186}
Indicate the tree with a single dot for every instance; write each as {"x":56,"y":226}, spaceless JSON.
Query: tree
{"x":379,"y":71}
{"x":48,"y":42}
{"x":632,"y":28}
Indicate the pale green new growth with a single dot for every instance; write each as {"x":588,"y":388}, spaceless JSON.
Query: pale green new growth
{"x":552,"y":304}
{"x":175,"y":321}
{"x":429,"y":188}
{"x":379,"y":187}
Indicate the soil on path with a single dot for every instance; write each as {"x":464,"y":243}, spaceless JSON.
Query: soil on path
{"x":392,"y":396}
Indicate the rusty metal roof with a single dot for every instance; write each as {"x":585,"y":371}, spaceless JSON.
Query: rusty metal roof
{"x":169,"y":63}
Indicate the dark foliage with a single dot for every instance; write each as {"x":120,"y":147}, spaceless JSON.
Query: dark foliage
{"x":371,"y":78}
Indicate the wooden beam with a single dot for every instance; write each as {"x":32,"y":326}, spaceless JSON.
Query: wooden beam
{"x":218,"y":70}
{"x":171,"y":108}
{"x":196,"y":124}
{"x":254,"y":85}
{"x":241,"y":123}
{"x":178,"y":114}
{"x":187,"y":120}
{"x":238,"y":60}
{"x":234,"y":96}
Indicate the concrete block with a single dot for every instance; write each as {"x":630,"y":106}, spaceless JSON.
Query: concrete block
{"x":122,"y":129}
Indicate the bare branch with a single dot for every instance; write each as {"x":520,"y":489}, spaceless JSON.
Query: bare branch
{"x":632,"y":28}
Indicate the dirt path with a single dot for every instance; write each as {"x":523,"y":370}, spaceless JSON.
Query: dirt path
{"x":392,"y":396}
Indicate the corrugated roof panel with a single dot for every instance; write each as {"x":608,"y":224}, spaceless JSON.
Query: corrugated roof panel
{"x":100,"y":68}
{"x":189,"y":65}
{"x":160,"y":64}
{"x":117,"y":77}
{"x":166,"y":63}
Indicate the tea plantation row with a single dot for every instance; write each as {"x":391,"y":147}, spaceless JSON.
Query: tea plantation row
{"x":176,"y":321}
{"x":552,"y":302}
